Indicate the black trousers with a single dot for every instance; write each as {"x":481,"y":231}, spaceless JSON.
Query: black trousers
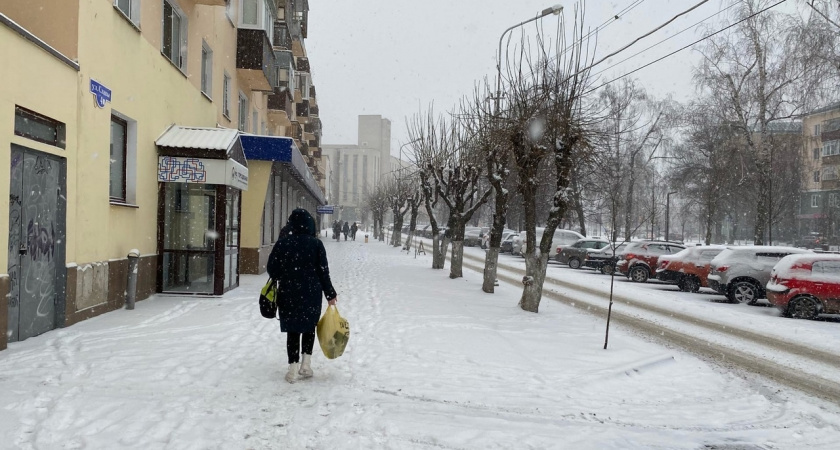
{"x":293,"y":345}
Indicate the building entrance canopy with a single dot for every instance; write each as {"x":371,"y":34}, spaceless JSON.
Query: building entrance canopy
{"x":202,"y":155}
{"x":283,"y":150}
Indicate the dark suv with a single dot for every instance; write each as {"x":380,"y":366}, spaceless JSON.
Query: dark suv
{"x":574,"y":255}
{"x":639,"y":260}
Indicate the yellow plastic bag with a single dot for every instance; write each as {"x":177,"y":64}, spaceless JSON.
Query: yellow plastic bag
{"x":333,"y":333}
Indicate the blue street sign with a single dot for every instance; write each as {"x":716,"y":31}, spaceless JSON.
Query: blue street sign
{"x":327,"y":209}
{"x":100,"y":93}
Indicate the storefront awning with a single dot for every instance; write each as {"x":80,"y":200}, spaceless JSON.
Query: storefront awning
{"x":202,"y":155}
{"x":283,"y":150}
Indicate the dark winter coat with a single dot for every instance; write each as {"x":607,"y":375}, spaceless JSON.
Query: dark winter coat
{"x":345,"y":229}
{"x":299,"y":263}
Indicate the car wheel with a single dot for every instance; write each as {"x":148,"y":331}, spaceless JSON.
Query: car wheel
{"x":607,"y":269}
{"x":639,"y":274}
{"x":574,"y":263}
{"x":743,"y":292}
{"x":804,"y":308}
{"x":692,"y":284}
{"x":681,"y":284}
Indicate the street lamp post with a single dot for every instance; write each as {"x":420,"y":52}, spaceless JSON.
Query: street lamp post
{"x":556,"y":10}
{"x":668,"y":213}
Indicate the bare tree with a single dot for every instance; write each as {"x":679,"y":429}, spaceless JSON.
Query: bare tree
{"x":754,"y":76}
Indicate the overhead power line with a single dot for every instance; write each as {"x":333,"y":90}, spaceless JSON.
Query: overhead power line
{"x":733,"y":4}
{"x":687,"y":46}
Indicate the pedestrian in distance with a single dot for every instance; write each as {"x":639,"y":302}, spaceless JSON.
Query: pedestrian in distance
{"x":345,"y":229}
{"x":298,"y":262}
{"x":353,"y":229}
{"x":337,"y":230}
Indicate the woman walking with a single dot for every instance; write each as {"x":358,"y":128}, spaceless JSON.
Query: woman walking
{"x":299,"y":264}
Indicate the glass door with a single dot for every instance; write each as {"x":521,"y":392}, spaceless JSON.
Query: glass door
{"x":231,"y":257}
{"x":189,"y":238}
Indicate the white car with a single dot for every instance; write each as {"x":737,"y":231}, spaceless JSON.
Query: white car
{"x":561,"y":238}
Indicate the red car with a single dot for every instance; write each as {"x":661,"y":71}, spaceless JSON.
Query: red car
{"x":688,"y":268}
{"x":639,"y":260}
{"x":806,"y":285}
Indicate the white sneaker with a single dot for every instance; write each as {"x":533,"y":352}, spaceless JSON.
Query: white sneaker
{"x":305,"y":366}
{"x":291,"y":375}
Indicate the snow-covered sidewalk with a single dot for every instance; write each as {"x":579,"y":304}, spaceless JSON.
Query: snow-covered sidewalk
{"x":432,"y":363}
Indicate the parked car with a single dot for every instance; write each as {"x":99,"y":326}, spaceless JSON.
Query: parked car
{"x":604,"y":260}
{"x":804,"y":286}
{"x":485,"y":237}
{"x":689,"y":269}
{"x":561,"y":238}
{"x":575,"y":254}
{"x":741,"y":273}
{"x":507,"y":242}
{"x":472,"y":237}
{"x":639,"y":260}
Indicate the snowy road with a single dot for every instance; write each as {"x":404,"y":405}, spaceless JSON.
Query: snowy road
{"x":432,"y":363}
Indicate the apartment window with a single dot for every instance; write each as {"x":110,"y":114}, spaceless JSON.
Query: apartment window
{"x":119,"y":145}
{"x":816,"y":153}
{"x":226,"y":96}
{"x":174,"y":35}
{"x":130,"y":9}
{"x":829,"y":173}
{"x":816,"y":176}
{"x":250,"y":12}
{"x":817,"y":130}
{"x":831,"y":148}
{"x":815,"y":200}
{"x":254,"y":123}
{"x":262,"y":128}
{"x":833,"y":200}
{"x":268,"y":20}
{"x":37,"y":127}
{"x":206,"y":70}
{"x":243,"y":112}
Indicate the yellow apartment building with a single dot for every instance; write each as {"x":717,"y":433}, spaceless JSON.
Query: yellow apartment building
{"x":151,"y":128}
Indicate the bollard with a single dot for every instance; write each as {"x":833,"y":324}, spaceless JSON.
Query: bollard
{"x":131,"y":285}
{"x":366,"y":237}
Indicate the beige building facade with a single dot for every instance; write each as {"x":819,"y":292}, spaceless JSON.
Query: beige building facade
{"x":819,"y":210}
{"x":147,"y":127}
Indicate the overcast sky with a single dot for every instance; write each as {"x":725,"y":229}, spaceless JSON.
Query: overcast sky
{"x":395,"y":57}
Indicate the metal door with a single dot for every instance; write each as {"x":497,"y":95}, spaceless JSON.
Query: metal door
{"x":36,"y":243}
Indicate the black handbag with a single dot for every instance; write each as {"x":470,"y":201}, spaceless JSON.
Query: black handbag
{"x":268,"y":299}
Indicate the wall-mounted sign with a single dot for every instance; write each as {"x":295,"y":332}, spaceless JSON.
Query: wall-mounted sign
{"x":182,"y":169}
{"x":326,"y":209}
{"x":101,"y":94}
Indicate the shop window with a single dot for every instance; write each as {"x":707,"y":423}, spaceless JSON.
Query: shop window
{"x":206,"y":70}
{"x":37,"y":127}
{"x":130,"y":9}
{"x":174,"y":35}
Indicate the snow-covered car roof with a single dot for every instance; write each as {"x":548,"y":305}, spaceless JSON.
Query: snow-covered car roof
{"x":799,"y":265}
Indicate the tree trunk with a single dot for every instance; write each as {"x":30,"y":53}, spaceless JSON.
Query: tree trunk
{"x":491,"y":262}
{"x":444,"y":248}
{"x":438,"y":257}
{"x":628,"y":212}
{"x":581,"y":215}
{"x":532,"y":293}
{"x":457,"y":264}
{"x":491,"y":259}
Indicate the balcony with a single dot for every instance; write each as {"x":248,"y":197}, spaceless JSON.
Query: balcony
{"x":255,"y":61}
{"x":282,"y":37}
{"x":303,"y":109}
{"x":313,"y":111}
{"x":280,"y":107}
{"x":316,"y":153}
{"x":303,"y":64}
{"x":211,"y":2}
{"x":295,"y":131}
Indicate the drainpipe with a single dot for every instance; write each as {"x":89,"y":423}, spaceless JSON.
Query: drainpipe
{"x":131,"y":285}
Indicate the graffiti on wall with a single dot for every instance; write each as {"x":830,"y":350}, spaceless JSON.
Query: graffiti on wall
{"x":187,"y":170}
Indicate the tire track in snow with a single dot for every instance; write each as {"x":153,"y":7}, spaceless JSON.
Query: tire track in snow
{"x":809,"y":383}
